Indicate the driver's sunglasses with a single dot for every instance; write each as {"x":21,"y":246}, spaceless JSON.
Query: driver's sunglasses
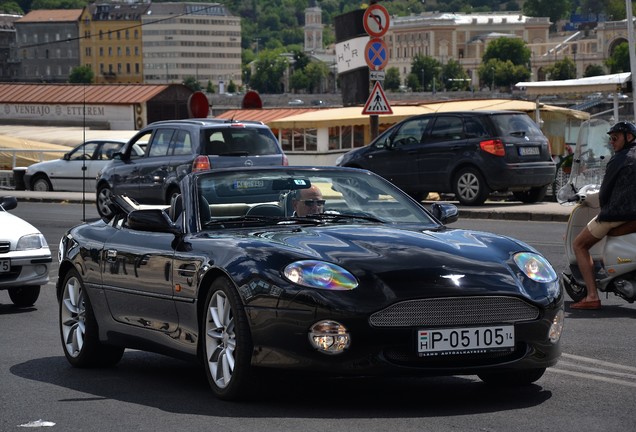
{"x":317,"y":203}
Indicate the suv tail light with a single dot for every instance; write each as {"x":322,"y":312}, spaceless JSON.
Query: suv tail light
{"x":495,"y":147}
{"x":285,"y":160}
{"x":201,"y":163}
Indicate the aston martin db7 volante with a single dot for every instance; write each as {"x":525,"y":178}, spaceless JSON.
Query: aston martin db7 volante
{"x":317,"y":270}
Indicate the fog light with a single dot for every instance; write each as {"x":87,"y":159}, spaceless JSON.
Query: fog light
{"x":329,"y":337}
{"x":40,"y":269}
{"x":557,"y":327}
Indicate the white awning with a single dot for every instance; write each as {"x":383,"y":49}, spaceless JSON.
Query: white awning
{"x":602,"y":83}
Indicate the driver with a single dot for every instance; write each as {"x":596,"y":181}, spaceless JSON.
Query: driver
{"x":308,"y":201}
{"x":617,"y":198}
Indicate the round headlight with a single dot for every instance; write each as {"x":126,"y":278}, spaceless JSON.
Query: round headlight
{"x":535,"y":267}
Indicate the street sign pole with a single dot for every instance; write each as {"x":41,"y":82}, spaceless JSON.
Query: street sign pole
{"x":376,"y":23}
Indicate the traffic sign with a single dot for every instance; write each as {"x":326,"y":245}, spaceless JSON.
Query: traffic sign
{"x":376,"y":20}
{"x":377,"y":102}
{"x":376,"y":54}
{"x":377,"y":75}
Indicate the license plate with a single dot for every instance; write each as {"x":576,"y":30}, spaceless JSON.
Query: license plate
{"x":529,"y":151}
{"x":5,"y":265}
{"x":472,"y":340}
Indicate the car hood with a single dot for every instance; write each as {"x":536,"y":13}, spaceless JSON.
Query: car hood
{"x":13,"y":228}
{"x":444,"y":262}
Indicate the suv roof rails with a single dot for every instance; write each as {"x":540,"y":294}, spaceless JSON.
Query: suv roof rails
{"x":206,"y":121}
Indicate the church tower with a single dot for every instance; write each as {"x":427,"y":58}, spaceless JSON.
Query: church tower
{"x":313,"y":29}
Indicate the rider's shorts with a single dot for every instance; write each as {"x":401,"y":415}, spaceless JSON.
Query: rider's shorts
{"x":599,"y":229}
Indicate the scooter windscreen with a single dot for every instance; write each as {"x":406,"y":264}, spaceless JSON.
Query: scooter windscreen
{"x":591,"y":154}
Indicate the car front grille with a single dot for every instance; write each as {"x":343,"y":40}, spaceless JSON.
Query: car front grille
{"x":451,"y":311}
{"x":5,"y":246}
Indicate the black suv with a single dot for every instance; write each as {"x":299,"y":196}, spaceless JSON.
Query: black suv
{"x":468,"y":153}
{"x":172,"y":149}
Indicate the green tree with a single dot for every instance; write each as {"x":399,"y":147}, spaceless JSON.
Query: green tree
{"x":11,"y":7}
{"x":268,"y":72}
{"x":191,"y":83}
{"x":58,"y":4}
{"x":298,"y":80}
{"x":497,"y":74}
{"x":426,"y":69}
{"x":392,"y":79}
{"x":555,"y":9}
{"x":593,"y":70}
{"x":316,"y":73}
{"x":210,"y":87}
{"x":504,"y":48}
{"x":454,"y":77}
{"x":231,"y":87}
{"x":562,"y":70}
{"x":412,"y":81}
{"x":81,"y":74}
{"x":619,"y":60}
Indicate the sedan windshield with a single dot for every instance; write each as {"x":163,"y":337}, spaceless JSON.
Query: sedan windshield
{"x":303,"y":196}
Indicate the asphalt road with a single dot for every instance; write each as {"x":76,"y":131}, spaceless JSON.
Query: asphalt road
{"x":591,"y":389}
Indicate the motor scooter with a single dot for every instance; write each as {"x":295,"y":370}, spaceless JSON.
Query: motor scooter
{"x":614,"y":256}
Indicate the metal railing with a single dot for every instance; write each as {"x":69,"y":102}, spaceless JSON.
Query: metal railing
{"x":12,"y":158}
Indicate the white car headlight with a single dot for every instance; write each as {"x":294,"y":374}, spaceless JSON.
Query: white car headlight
{"x":31,"y":241}
{"x":535,"y":267}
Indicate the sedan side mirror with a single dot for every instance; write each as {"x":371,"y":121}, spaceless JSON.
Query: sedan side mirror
{"x":153,"y":220}
{"x":444,"y":212}
{"x":8,"y":203}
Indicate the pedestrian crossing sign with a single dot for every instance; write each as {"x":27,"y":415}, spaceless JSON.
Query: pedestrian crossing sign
{"x":377,"y":102}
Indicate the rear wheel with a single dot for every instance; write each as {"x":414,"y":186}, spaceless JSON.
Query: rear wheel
{"x":78,"y":328}
{"x":41,"y":183}
{"x":512,"y":378}
{"x":577,"y":292}
{"x":24,"y":296}
{"x":531,"y":195}
{"x":470,"y":187}
{"x":226,"y":342}
{"x":103,"y":201}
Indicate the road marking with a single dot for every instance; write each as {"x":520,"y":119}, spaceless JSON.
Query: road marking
{"x":600,"y":370}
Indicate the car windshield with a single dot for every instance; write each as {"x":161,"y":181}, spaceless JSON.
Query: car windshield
{"x":299,"y":196}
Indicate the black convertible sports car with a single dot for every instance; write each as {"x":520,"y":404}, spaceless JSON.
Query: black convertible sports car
{"x":244,"y":271}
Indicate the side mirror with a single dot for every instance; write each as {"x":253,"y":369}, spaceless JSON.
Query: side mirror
{"x":67,"y":156}
{"x":153,"y":220}
{"x":8,"y":203}
{"x":118,"y":156}
{"x":444,"y":212}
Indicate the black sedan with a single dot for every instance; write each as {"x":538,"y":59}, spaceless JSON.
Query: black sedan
{"x":330,"y":270}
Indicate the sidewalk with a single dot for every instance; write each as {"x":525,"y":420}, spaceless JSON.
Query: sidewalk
{"x":505,"y":210}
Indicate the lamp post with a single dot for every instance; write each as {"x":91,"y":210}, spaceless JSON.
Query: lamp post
{"x":423,"y":87}
{"x":492,"y":85}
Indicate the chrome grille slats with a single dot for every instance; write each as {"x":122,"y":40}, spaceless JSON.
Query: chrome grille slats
{"x":451,"y":311}
{"x":5,"y":246}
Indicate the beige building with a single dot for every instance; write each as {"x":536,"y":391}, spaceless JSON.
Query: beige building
{"x":200,"y":40}
{"x":463,"y":37}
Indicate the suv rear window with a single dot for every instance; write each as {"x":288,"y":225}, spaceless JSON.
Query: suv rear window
{"x":239,"y":141}
{"x":516,"y":125}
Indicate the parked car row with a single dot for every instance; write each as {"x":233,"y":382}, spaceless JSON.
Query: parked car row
{"x":470,"y":154}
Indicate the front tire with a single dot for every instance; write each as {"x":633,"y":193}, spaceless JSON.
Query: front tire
{"x":226,"y":342}
{"x":24,"y":296}
{"x":576,"y":291}
{"x":470,"y":187}
{"x":512,"y":378}
{"x":41,"y":184}
{"x":78,"y":328}
{"x":104,"y":195}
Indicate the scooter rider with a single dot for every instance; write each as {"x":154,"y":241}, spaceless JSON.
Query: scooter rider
{"x":617,"y":198}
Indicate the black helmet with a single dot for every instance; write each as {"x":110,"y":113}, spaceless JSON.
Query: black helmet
{"x":624,"y":127}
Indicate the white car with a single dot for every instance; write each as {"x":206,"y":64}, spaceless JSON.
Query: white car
{"x":24,"y":256}
{"x":77,"y":167}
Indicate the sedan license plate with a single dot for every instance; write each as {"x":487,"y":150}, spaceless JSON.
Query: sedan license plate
{"x":529,"y":151}
{"x":5,"y":265}
{"x":472,"y":340}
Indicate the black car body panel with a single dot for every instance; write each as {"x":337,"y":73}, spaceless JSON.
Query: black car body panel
{"x":147,"y":285}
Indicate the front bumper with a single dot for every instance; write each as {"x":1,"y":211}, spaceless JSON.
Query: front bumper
{"x":26,"y":271}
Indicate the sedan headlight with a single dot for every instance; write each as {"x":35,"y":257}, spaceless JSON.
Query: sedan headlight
{"x":31,"y":241}
{"x":535,"y":267}
{"x":320,"y":275}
